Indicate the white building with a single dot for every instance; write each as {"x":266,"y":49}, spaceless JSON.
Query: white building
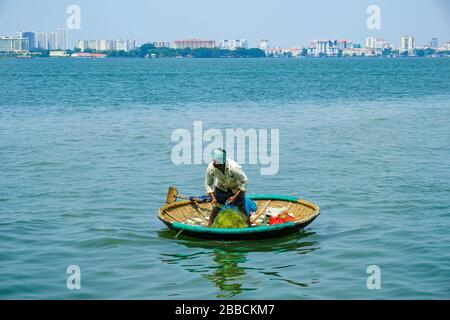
{"x":93,"y":45}
{"x":83,"y":45}
{"x":434,"y":43}
{"x":14,"y":44}
{"x":358,"y":52}
{"x":327,"y":48}
{"x":41,"y":40}
{"x":264,"y":45}
{"x":132,"y":45}
{"x":125,"y":45}
{"x":377,"y":45}
{"x":52,"y":40}
{"x":194,"y":44}
{"x":161,"y":44}
{"x":122,"y":45}
{"x":407,"y":44}
{"x":277,"y":52}
{"x":107,"y":45}
{"x":233,"y":44}
{"x":370,"y":42}
{"x":62,"y":40}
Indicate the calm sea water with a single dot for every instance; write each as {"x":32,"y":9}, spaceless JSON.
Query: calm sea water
{"x":85,"y":163}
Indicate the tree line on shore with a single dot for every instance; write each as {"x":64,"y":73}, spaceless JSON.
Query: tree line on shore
{"x":148,"y":50}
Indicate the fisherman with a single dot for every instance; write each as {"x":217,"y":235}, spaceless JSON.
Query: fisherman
{"x":226,"y":183}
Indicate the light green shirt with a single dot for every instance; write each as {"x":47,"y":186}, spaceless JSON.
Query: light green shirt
{"x":233,"y":178}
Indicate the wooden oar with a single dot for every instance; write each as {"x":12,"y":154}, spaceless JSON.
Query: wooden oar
{"x":173,"y":195}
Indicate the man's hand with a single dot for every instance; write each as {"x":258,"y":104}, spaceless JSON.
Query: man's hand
{"x":213,"y":199}
{"x":233,"y":198}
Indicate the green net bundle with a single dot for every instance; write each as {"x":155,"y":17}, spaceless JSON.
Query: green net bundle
{"x":230,"y":218}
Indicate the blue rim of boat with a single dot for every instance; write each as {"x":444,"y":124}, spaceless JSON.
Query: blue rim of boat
{"x":256,"y":232}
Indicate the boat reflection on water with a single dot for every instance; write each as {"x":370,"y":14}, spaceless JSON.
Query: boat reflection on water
{"x":228,"y":272}
{"x":231,"y":272}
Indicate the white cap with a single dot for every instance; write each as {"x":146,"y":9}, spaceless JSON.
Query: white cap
{"x":218,"y":156}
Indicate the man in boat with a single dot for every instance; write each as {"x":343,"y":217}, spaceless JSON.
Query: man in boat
{"x":226,"y":183}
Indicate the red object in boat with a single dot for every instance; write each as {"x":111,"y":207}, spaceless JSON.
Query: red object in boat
{"x":281,"y":218}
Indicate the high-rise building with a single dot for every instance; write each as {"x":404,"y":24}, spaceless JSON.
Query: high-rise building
{"x":125,"y":45}
{"x":61,"y":39}
{"x":46,"y":40}
{"x":51,"y":41}
{"x":407,"y":44}
{"x":434,"y":44}
{"x":31,"y":36}
{"x":122,"y":45}
{"x":14,"y":44}
{"x":83,"y":45}
{"x":194,"y":44}
{"x":41,"y":40}
{"x":107,"y":45}
{"x":264,"y":44}
{"x":132,"y":45}
{"x":322,"y":47}
{"x":233,"y":44}
{"x":93,"y":45}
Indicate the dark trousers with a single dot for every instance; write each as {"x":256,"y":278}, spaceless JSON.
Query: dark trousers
{"x":222,"y":197}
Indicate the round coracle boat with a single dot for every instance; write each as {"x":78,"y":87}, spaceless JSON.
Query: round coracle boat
{"x":191,"y":218}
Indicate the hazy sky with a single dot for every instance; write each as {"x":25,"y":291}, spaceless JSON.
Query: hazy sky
{"x":284,"y":22}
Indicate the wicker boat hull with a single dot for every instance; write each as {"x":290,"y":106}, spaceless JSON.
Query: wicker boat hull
{"x":305,"y":213}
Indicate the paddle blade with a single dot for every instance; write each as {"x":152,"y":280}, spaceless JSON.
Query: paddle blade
{"x":172,"y":195}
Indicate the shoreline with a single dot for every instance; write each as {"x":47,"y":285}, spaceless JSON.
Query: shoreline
{"x":226,"y":58}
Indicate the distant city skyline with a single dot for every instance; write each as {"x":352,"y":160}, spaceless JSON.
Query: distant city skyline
{"x":285,"y":23}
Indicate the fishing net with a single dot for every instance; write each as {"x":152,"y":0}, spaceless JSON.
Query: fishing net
{"x":230,"y":218}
